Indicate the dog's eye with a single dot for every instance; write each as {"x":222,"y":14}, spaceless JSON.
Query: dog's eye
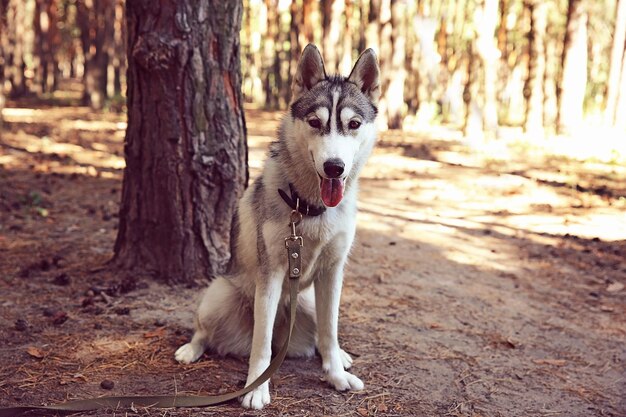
{"x":354,"y":124}
{"x":315,"y":123}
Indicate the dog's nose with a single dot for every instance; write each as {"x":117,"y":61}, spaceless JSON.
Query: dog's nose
{"x":334,"y":167}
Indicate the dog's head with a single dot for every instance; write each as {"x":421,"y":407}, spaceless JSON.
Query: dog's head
{"x":335,"y":117}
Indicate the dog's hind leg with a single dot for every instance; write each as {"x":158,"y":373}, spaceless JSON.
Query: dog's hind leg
{"x":191,"y":352}
{"x":206,"y":320}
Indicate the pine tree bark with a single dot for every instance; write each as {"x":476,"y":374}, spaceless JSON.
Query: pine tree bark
{"x":573,"y":80}
{"x":185,"y":145}
{"x":617,"y":55}
{"x":533,"y":88}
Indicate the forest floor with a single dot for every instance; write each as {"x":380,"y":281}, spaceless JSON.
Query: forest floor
{"x":478,"y":285}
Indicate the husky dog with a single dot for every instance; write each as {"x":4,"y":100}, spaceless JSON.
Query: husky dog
{"x":324,"y":141}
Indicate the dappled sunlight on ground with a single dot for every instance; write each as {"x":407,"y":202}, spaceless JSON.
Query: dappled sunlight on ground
{"x":63,"y":140}
{"x":480,"y":274}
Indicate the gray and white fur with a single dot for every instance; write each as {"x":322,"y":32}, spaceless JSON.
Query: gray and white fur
{"x":331,"y":118}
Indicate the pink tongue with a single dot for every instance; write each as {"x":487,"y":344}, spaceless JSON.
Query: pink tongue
{"x":332,"y":191}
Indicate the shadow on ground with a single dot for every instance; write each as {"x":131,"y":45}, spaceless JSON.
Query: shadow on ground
{"x":470,"y":291}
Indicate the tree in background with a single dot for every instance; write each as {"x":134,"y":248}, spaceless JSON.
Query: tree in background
{"x":96,"y":20}
{"x":573,"y":81}
{"x":47,"y":41}
{"x":620,"y":110}
{"x":332,"y":12}
{"x":185,"y":148}
{"x":616,"y":72}
{"x":3,"y":45}
{"x":14,"y":64}
{"x":397,"y":74}
{"x":477,"y":64}
{"x":533,"y":88}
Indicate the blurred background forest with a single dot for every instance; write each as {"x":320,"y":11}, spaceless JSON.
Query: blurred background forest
{"x":476,"y":65}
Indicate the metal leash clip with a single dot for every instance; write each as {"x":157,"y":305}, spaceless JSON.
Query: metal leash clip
{"x":294,"y":243}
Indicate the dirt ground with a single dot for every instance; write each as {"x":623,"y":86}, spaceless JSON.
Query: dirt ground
{"x":478,"y":286}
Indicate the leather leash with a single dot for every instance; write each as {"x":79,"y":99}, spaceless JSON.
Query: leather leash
{"x":293,"y":244}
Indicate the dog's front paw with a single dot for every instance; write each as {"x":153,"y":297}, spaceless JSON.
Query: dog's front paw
{"x":257,"y":398}
{"x":343,"y":381}
{"x":188,"y":353}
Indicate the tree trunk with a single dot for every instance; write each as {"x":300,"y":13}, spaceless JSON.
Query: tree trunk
{"x":533,"y":89}
{"x":473,"y":121}
{"x":372,"y":33}
{"x":346,"y":48}
{"x":617,"y":55}
{"x":442,"y":40}
{"x":39,"y":53}
{"x":96,"y":25}
{"x":362,"y":40}
{"x":269,"y":56}
{"x":3,"y":48}
{"x":332,"y":10}
{"x":294,"y":43}
{"x":15,"y":66}
{"x":620,"y":110}
{"x":412,"y":61}
{"x":119,"y":48}
{"x":395,"y":90}
{"x":573,"y":82}
{"x":46,"y":43}
{"x":307,"y":35}
{"x":502,"y":32}
{"x":384,"y":57}
{"x":489,"y":54}
{"x":251,"y":53}
{"x":550,"y":80}
{"x":185,"y":147}
{"x":279,"y":70}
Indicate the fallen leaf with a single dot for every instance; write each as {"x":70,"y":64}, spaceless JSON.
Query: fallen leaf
{"x":35,"y":353}
{"x":555,"y":362}
{"x":615,"y":287}
{"x":160,"y":332}
{"x":362,"y":411}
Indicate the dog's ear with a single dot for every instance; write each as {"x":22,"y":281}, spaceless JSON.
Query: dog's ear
{"x":366,"y":74}
{"x":310,"y":71}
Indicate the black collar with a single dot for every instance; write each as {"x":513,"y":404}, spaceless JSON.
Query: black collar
{"x":305,"y":208}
